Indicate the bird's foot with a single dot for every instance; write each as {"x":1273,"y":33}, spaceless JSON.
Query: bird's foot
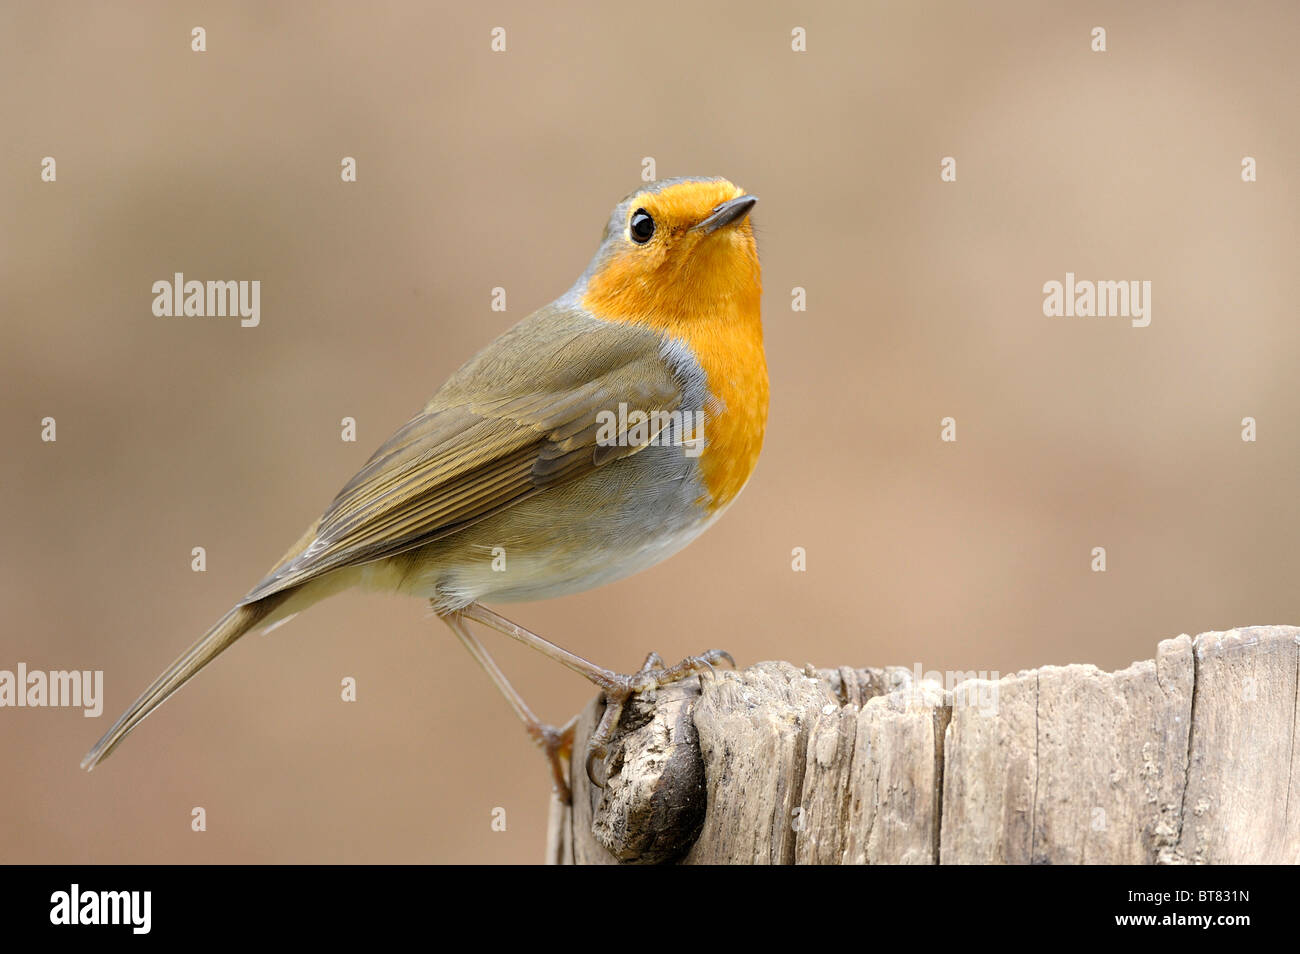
{"x":653,"y":674}
{"x":557,"y":743}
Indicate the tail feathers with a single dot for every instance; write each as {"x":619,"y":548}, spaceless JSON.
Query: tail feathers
{"x":222,"y":635}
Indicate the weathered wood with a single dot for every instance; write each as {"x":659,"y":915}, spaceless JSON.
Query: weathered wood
{"x":1073,"y":766}
{"x":1187,"y":758}
{"x":1242,"y":801}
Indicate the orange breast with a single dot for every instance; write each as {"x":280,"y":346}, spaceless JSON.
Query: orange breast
{"x":737,"y":374}
{"x":708,"y":300}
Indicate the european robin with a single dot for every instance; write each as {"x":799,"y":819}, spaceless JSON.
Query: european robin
{"x":596,"y":437}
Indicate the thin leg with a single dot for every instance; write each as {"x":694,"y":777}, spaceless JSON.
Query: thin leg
{"x":602,"y":677}
{"x":556,"y":743}
{"x":617,"y":688}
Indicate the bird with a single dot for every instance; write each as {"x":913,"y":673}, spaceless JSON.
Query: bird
{"x":593,"y":439}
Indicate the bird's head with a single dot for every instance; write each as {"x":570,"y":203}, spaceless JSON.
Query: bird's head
{"x":673,"y":252}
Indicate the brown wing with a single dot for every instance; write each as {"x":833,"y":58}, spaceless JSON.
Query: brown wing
{"x":519,"y":418}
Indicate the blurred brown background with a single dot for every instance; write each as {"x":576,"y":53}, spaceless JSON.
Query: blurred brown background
{"x":479,"y":169}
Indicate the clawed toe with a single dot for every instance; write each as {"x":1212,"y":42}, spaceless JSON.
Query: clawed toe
{"x":690,"y":666}
{"x":652,"y":675}
{"x":720,"y":654}
{"x":557,"y":743}
{"x":595,"y":755}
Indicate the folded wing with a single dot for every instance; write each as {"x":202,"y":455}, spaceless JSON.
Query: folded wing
{"x":521,"y":417}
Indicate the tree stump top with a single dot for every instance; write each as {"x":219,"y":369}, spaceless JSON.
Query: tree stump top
{"x":1189,"y":757}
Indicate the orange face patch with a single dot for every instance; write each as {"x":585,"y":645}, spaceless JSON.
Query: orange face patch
{"x":703,"y":289}
{"x":679,"y":271}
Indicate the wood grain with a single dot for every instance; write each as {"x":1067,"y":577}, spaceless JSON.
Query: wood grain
{"x":1189,"y":757}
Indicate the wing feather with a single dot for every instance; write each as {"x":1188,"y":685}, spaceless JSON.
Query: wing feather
{"x":507,"y":426}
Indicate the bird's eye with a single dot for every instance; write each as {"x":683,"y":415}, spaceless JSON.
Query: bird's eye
{"x":641,"y":227}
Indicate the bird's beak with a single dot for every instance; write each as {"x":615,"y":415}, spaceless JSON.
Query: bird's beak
{"x":733,"y":210}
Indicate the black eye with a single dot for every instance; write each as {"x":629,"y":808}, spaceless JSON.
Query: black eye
{"x":642,"y":226}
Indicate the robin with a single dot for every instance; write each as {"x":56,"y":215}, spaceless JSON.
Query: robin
{"x":598,"y":436}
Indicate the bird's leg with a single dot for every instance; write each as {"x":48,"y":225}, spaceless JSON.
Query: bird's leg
{"x":617,"y":688}
{"x":604,"y":678}
{"x":556,"y":743}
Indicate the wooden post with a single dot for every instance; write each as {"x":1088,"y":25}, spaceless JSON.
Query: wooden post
{"x":1187,"y":758}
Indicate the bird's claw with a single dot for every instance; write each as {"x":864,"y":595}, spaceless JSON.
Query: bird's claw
{"x":652,"y":675}
{"x":557,"y":743}
{"x":593,"y":755}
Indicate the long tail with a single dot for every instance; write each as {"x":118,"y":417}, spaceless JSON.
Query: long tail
{"x":222,"y":635}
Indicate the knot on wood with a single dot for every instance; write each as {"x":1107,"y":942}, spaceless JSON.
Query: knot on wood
{"x":651,"y":807}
